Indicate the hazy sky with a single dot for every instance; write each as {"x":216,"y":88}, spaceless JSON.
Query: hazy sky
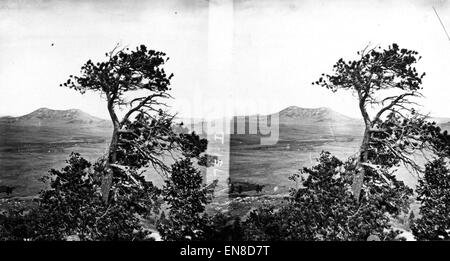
{"x":228,"y":57}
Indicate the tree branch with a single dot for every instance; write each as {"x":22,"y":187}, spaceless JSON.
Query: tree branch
{"x":392,"y":104}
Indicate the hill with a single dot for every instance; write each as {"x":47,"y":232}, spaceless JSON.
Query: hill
{"x":297,"y":115}
{"x":49,"y":117}
{"x":32,"y":144}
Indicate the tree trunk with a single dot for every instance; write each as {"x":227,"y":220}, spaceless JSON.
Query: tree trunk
{"x":358,"y":179}
{"x":112,"y":154}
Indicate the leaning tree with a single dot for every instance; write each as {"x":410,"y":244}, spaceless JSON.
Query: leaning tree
{"x":135,"y":85}
{"x":384,"y":81}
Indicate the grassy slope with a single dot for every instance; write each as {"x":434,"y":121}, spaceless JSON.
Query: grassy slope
{"x":28,"y":152}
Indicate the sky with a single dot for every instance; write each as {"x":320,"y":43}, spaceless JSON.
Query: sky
{"x":228,"y":57}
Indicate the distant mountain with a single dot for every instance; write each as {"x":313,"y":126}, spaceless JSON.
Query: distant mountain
{"x":49,"y":117}
{"x":295,"y":123}
{"x":298,"y":115}
{"x":34,"y":143}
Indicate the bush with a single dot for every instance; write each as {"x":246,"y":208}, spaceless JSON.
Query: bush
{"x":16,"y":220}
{"x":434,"y":194}
{"x":325,"y":209}
{"x":73,"y":206}
{"x":186,"y":197}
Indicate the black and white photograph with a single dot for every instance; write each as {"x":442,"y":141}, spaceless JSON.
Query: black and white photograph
{"x":224,"y":121}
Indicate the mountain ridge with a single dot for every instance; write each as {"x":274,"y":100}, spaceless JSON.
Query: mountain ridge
{"x":294,"y":114}
{"x":320,"y":113}
{"x":291,"y":115}
{"x":50,"y":117}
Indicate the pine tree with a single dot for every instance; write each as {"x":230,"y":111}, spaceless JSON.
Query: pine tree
{"x":186,"y":197}
{"x":434,"y":194}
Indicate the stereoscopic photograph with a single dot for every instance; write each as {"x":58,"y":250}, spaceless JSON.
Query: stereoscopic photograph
{"x":224,"y":120}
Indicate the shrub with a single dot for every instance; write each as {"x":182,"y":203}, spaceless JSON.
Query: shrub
{"x":186,"y":197}
{"x":434,"y":194}
{"x":325,"y":209}
{"x":73,"y":206}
